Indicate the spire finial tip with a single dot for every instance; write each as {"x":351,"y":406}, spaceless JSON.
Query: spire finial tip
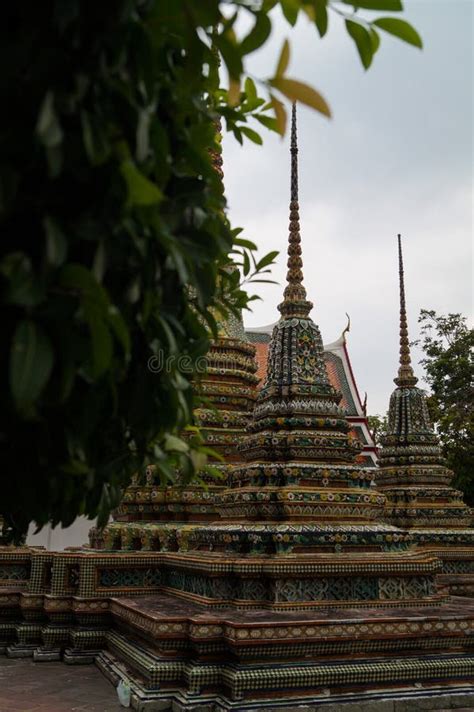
{"x":294,"y":297}
{"x":405,"y":376}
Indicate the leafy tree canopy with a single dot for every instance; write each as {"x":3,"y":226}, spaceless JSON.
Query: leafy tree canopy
{"x":448,"y":346}
{"x":115,"y":244}
{"x":378,"y":427}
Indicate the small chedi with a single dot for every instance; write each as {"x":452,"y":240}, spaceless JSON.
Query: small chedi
{"x":149,"y":515}
{"x":290,"y":580}
{"x":412,"y":473}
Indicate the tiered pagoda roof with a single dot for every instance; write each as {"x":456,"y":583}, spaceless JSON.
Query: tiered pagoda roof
{"x":227,"y":391}
{"x":341,"y":376}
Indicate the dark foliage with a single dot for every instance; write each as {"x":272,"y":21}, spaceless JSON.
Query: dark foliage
{"x":115,"y":245}
{"x":448,"y":345}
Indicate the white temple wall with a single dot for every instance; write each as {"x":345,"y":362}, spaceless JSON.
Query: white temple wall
{"x":59,"y":538}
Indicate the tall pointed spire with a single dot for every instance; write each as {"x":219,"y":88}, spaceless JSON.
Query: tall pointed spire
{"x":294,"y":302}
{"x":412,"y":472}
{"x":405,"y":377}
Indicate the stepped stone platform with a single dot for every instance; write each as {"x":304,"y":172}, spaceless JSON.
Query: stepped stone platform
{"x":174,"y":625}
{"x":176,"y":648}
{"x":59,"y":688}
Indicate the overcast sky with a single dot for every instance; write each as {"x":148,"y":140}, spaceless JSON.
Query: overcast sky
{"x":396,"y":157}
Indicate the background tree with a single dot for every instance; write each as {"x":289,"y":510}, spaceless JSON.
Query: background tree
{"x":112,"y":216}
{"x":378,"y":427}
{"x":448,"y":346}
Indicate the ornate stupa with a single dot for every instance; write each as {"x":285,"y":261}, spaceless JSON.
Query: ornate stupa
{"x":298,"y":448}
{"x":413,"y":474}
{"x":149,"y":514}
{"x":300,"y":492}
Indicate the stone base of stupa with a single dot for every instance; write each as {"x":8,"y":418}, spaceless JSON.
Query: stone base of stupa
{"x":402,"y":698}
{"x":303,"y":581}
{"x":57,"y":605}
{"x":455,"y":549}
{"x":176,"y":650}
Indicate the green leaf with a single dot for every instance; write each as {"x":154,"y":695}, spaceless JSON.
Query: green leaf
{"x":176,"y":253}
{"x":173,"y":347}
{"x":375,"y":39}
{"x":75,"y":467}
{"x":166,"y":473}
{"x":145,"y":117}
{"x":263,"y":281}
{"x":227,"y":44}
{"x":363,"y":42}
{"x":321,"y":18}
{"x":172,"y":442}
{"x":141,"y":191}
{"x":48,"y":127}
{"x":283,"y":60}
{"x":79,"y":278}
{"x":290,"y":9}
{"x":102,"y":348}
{"x":100,"y":261}
{"x":266,"y":260}
{"x":252,"y":135}
{"x":298,"y":91}
{"x":389,"y":5}
{"x":199,"y":459}
{"x":280,"y":114}
{"x":95,"y":142}
{"x":237,"y":134}
{"x":56,"y":244}
{"x":258,"y":34}
{"x":54,"y":159}
{"x":119,"y":327}
{"x":401,"y":29}
{"x":31,"y":362}
{"x":246,"y":264}
{"x":241,"y":242}
{"x":268,"y":121}
{"x":23,"y":287}
{"x":250,"y":90}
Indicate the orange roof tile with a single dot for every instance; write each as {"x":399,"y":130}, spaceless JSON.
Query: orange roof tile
{"x":262,"y":359}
